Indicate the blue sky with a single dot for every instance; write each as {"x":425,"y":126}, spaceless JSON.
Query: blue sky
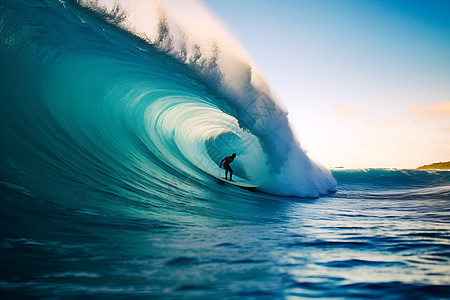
{"x":366,"y":83}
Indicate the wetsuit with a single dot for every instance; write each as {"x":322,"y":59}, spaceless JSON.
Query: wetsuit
{"x":226,"y":165}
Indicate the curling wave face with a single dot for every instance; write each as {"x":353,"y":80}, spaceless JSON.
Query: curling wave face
{"x":92,"y":109}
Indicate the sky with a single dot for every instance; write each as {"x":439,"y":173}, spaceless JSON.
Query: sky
{"x":366,"y":83}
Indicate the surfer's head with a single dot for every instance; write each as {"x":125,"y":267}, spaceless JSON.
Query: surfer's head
{"x":233,"y":155}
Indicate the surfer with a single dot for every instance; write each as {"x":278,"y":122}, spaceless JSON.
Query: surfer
{"x":226,"y":165}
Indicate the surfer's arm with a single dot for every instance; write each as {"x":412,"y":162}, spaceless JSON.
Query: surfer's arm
{"x":220,"y":166}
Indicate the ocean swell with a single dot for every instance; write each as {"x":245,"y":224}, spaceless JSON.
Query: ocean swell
{"x":112,"y":110}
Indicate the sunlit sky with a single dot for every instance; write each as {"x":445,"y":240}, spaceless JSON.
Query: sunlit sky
{"x":366,"y":83}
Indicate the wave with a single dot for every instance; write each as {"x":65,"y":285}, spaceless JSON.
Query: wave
{"x":133,"y":100}
{"x":393,"y":184}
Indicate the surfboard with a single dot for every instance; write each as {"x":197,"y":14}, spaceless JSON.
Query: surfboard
{"x":240,"y":182}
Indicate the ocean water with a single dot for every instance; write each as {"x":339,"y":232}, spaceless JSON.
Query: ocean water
{"x":113,"y":121}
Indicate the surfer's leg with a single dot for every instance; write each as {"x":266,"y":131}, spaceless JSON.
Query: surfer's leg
{"x":226,"y":173}
{"x":231,"y":174}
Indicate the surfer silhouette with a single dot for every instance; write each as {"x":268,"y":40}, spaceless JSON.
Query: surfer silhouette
{"x":226,"y":165}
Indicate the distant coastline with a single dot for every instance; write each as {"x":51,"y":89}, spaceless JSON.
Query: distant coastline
{"x":436,"y":166}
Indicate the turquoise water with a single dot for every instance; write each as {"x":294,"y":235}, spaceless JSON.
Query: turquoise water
{"x":108,"y":158}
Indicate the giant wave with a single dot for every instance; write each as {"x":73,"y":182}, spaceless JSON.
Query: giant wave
{"x":134,"y":97}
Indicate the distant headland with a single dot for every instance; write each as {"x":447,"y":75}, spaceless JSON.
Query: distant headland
{"x":436,"y":166}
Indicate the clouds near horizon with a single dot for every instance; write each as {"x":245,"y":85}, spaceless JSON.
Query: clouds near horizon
{"x":434,"y":112}
{"x":346,"y":111}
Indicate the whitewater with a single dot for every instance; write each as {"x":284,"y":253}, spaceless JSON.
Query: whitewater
{"x":114,"y":118}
